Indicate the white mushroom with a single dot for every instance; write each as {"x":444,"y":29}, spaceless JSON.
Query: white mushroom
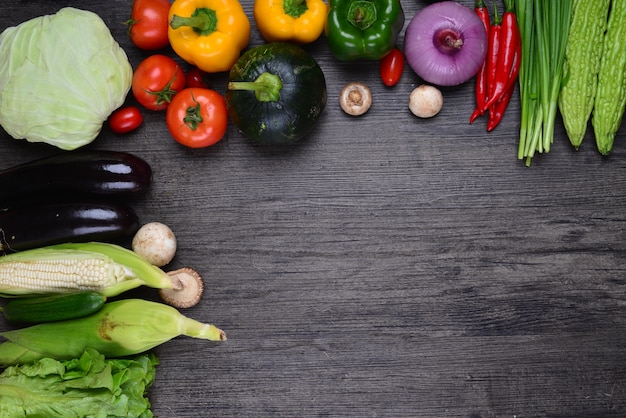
{"x":425,"y":101}
{"x":155,"y":242}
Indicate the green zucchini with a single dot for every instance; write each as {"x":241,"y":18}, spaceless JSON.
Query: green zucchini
{"x":610,"y":101}
{"x":276,"y":93}
{"x":583,"y":54}
{"x":53,"y":307}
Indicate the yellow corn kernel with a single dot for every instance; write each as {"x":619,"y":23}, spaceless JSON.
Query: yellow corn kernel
{"x":106,"y":268}
{"x":60,"y":274}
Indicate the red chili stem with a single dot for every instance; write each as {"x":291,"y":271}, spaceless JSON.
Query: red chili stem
{"x":480,"y":91}
{"x":508,"y":61}
{"x":497,"y":110}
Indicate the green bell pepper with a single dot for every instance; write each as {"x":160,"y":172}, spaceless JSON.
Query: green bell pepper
{"x":363,"y":29}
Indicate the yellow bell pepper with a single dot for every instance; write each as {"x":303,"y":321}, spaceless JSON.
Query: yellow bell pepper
{"x":209,"y":34}
{"x":299,"y":21}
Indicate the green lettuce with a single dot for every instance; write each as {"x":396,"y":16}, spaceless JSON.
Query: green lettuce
{"x":89,"y":386}
{"x":61,"y":77}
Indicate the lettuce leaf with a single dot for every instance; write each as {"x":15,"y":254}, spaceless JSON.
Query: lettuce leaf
{"x":89,"y":386}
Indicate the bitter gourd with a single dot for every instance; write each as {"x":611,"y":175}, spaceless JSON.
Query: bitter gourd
{"x":608,"y":108}
{"x":582,"y":62}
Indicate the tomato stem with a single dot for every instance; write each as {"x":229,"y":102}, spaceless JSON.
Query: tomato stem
{"x":193,"y":117}
{"x":165,"y":95}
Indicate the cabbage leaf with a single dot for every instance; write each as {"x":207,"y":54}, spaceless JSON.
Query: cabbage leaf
{"x":61,"y":77}
{"x":87,"y":386}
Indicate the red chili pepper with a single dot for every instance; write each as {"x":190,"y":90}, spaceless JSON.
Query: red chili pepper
{"x":508,"y":60}
{"x":480,"y":94}
{"x":493,"y":53}
{"x":496,"y":111}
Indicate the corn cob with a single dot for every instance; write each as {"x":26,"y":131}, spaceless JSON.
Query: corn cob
{"x":582,"y":61}
{"x":121,"y":328}
{"x":106,"y":268}
{"x":610,"y":99}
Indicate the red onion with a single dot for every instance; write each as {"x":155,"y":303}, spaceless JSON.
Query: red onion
{"x":445,"y":43}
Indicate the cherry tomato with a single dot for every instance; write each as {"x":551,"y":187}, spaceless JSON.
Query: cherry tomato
{"x":125,"y":119}
{"x":197,"y":78}
{"x":391,"y":67}
{"x":197,"y":117}
{"x":156,"y":80}
{"x":148,"y":24}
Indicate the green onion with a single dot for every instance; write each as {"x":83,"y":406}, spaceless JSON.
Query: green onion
{"x":544,"y":29}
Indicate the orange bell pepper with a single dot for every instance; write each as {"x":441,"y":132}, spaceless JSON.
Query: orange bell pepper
{"x":298,"y":21}
{"x":209,"y":34}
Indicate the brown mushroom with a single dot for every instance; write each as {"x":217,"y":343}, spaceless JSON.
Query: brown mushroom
{"x":187,"y":290}
{"x":355,"y":98}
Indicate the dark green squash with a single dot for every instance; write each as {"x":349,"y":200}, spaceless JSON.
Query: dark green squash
{"x":276,"y":93}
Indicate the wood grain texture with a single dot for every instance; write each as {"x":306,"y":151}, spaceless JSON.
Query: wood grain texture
{"x":386,"y":266}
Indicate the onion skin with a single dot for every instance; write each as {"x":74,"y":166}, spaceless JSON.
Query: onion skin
{"x":445,"y":66}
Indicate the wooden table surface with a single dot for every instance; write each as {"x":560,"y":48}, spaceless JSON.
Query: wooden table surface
{"x":386,"y":266}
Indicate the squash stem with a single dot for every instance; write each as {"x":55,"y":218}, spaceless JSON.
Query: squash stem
{"x":266,"y":87}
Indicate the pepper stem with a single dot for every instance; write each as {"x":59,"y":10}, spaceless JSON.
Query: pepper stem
{"x":295,"y":8}
{"x":266,"y":87}
{"x":203,"y":21}
{"x":362,"y":14}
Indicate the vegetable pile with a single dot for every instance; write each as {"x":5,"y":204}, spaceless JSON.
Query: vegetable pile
{"x":544,"y":50}
{"x":64,"y":257}
{"x":69,"y":244}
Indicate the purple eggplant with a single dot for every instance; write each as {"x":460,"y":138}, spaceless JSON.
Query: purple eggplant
{"x":33,"y":223}
{"x":101,"y":173}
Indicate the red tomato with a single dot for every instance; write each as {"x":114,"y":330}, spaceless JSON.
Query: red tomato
{"x":125,"y":119}
{"x":197,"y":78}
{"x":148,"y":24}
{"x":391,"y":67}
{"x":156,"y":80}
{"x":197,"y":117}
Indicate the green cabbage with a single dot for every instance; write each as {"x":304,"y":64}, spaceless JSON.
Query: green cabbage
{"x":61,"y":77}
{"x":89,"y":386}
